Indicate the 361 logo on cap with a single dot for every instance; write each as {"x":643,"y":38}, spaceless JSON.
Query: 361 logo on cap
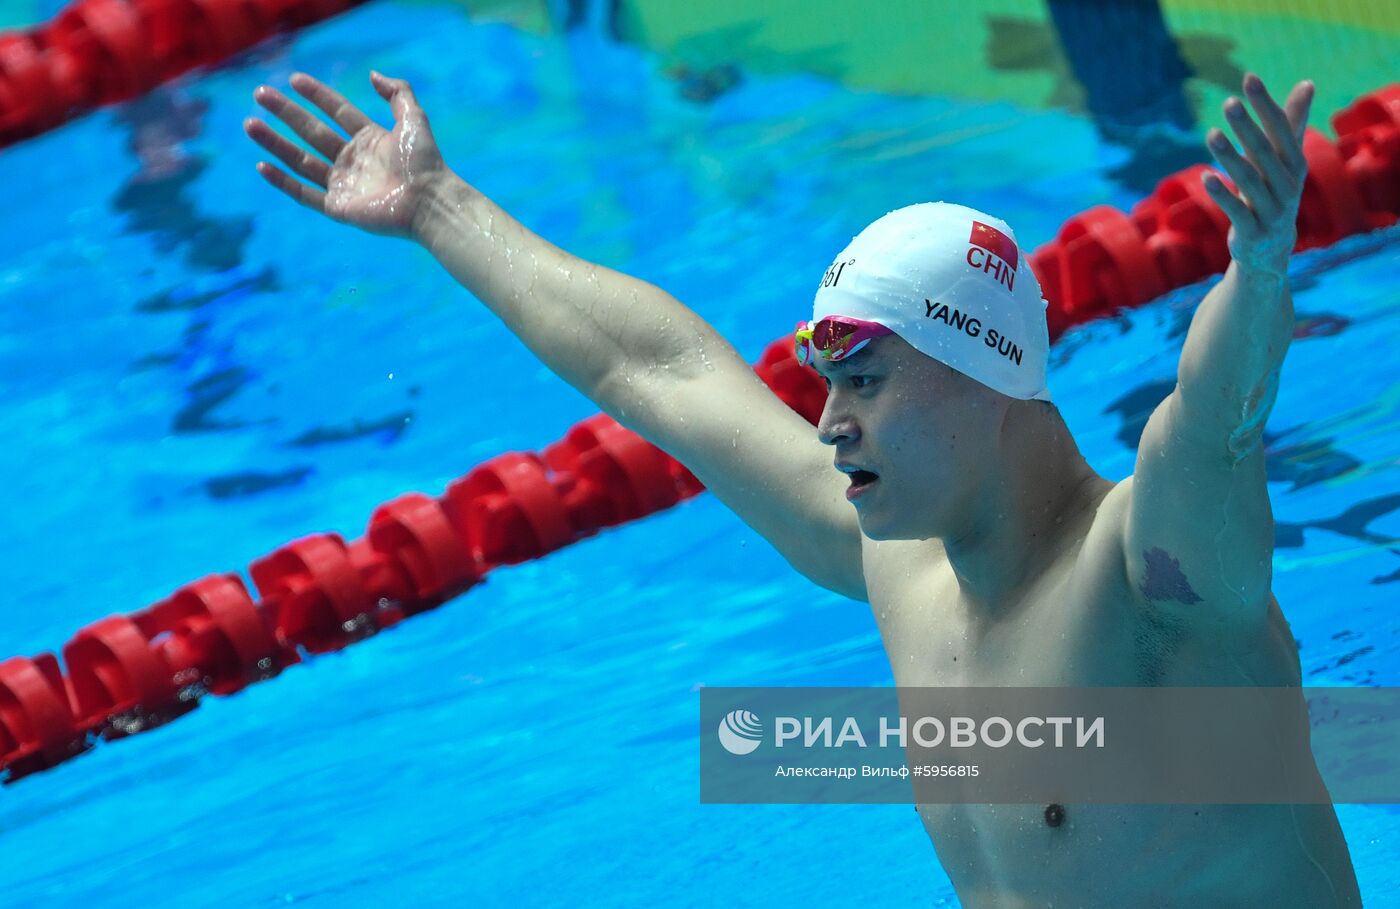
{"x":1001,"y":264}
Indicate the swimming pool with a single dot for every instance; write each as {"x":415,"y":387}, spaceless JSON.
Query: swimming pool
{"x":196,"y":371}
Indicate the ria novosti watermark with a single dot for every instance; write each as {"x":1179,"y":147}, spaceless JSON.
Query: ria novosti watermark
{"x":740,"y":732}
{"x":1004,"y":745}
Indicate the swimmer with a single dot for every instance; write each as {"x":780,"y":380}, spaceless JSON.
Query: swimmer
{"x":941,"y":485}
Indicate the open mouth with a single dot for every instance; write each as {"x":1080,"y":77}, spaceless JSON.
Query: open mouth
{"x":861,"y":478}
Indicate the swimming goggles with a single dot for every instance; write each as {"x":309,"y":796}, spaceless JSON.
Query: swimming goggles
{"x":835,"y":337}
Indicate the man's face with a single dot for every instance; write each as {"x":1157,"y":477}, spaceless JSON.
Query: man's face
{"x":928,"y":433}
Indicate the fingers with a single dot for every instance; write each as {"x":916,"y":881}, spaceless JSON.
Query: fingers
{"x":1244,"y":173}
{"x":312,"y":198}
{"x":1269,"y":175}
{"x":1263,"y":179}
{"x":317,"y":134}
{"x":396,"y":91}
{"x":1284,"y":130}
{"x":349,"y":117}
{"x":1297,"y":107}
{"x":301,"y":161}
{"x":1233,"y":206}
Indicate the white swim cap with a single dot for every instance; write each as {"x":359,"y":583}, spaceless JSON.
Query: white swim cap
{"x":951,"y":281}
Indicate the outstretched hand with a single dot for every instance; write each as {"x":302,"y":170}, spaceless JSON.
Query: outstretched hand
{"x":376,"y":179}
{"x":1268,"y":180}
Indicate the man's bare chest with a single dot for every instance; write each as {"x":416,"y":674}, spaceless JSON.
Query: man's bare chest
{"x":1073,"y":633}
{"x":1063,"y":630}
{"x":1076,"y":623}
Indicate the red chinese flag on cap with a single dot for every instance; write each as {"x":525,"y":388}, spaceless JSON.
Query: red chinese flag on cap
{"x":995,"y":242}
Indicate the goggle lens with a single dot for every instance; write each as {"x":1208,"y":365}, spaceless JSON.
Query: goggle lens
{"x":833,"y":338}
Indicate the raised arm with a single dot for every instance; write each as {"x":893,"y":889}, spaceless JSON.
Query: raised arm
{"x":636,"y":351}
{"x":1198,"y":535}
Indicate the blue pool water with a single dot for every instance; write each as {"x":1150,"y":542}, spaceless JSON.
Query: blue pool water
{"x":193,"y":371}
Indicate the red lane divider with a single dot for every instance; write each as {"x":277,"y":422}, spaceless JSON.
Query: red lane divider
{"x":319,"y":594}
{"x":98,"y":52}
{"x":1104,"y":259}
